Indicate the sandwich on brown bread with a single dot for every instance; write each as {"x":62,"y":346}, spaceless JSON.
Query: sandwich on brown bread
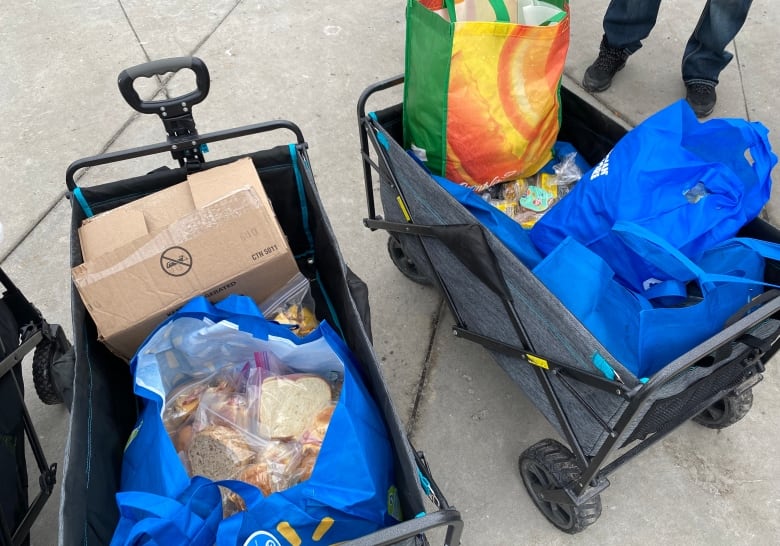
{"x":218,"y":452}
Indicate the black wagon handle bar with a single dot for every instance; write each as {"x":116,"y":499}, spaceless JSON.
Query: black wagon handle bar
{"x":159,"y":67}
{"x":163,"y":147}
{"x":375,"y":88}
{"x":363,"y":133}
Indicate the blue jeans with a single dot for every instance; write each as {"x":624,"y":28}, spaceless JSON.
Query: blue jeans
{"x":628,"y":22}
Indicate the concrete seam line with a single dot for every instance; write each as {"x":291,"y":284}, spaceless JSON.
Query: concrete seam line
{"x":741,"y":81}
{"x":216,"y":27}
{"x":19,"y":240}
{"x":426,"y":368}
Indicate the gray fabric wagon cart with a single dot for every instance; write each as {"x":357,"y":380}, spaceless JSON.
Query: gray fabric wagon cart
{"x":498,"y":303}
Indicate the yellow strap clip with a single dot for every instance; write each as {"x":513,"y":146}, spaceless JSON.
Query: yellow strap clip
{"x":536,"y":361}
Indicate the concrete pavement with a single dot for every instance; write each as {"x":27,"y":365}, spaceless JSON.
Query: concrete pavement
{"x":308,"y":63}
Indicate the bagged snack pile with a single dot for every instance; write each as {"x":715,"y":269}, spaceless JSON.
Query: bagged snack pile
{"x":293,"y":306}
{"x":526,"y":200}
{"x":261,"y":422}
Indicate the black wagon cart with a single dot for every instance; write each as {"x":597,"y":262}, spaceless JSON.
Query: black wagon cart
{"x":24,"y":331}
{"x":498,"y":303}
{"x":104,"y":409}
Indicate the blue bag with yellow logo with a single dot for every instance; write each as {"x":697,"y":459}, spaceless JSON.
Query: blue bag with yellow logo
{"x":348,"y":491}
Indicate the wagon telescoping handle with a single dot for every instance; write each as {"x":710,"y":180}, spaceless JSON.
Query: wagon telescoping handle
{"x":175,"y":113}
{"x":197,"y":141}
{"x":168,"y":107}
{"x":184,"y":143}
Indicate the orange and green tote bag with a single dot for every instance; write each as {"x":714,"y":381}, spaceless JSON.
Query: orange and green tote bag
{"x":482,"y":86}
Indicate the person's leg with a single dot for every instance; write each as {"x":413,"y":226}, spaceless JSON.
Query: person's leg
{"x":626,"y":23}
{"x":705,"y":53}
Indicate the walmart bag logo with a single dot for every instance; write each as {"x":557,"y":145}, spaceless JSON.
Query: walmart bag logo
{"x":264,"y":538}
{"x":602,"y":168}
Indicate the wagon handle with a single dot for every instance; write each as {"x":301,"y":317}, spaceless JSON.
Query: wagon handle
{"x":375,"y":88}
{"x":167,"y":108}
{"x":197,"y":141}
{"x":363,"y":131}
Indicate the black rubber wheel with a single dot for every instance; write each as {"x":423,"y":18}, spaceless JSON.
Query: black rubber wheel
{"x":550,"y":465}
{"x":46,"y":352}
{"x":726,"y":411}
{"x":404,"y":264}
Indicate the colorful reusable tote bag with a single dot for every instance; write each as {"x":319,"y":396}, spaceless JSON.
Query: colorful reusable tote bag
{"x":481,"y":94}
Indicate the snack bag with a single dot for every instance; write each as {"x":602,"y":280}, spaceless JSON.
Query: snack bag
{"x":293,"y":305}
{"x":526,"y":200}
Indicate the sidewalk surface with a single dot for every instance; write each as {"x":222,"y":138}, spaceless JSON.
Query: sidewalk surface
{"x":309,"y":63}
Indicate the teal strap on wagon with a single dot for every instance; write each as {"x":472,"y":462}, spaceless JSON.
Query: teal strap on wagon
{"x":83,"y":202}
{"x":307,"y":231}
{"x":379,"y":136}
{"x":301,"y":195}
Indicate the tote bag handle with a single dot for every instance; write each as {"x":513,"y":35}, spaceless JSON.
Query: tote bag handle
{"x":502,"y":14}
{"x":660,"y":260}
{"x":756,"y":136}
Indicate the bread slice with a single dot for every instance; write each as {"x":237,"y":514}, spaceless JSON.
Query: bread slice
{"x":315,"y":431}
{"x":219,"y":452}
{"x":288,"y":404}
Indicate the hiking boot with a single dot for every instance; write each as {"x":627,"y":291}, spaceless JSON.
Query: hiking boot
{"x":598,"y":76}
{"x":701,"y":97}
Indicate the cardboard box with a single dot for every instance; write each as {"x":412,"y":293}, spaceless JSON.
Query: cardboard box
{"x":215,"y":234}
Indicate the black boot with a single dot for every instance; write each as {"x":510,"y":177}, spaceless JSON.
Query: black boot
{"x":598,"y":76}
{"x":701,"y":97}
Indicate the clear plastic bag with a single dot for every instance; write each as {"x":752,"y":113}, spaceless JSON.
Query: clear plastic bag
{"x":235,"y":409}
{"x":273,"y":469}
{"x":527,"y":200}
{"x":293,"y":305}
{"x":567,"y":171}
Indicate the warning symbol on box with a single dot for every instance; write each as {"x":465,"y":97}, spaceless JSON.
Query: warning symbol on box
{"x":176,"y":261}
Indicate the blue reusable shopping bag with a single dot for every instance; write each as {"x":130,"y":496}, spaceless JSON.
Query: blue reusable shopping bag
{"x":190,"y":518}
{"x":694,"y":184}
{"x":647,"y":329}
{"x":509,"y":232}
{"x":347,"y":493}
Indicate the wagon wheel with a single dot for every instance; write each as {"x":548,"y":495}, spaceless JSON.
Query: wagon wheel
{"x":404,"y":264}
{"x":726,"y":411}
{"x":548,"y":465}
{"x":46,"y":352}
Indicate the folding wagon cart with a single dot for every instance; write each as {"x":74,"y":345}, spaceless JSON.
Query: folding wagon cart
{"x":24,"y":330}
{"x":498,"y":302}
{"x":104,"y":408}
